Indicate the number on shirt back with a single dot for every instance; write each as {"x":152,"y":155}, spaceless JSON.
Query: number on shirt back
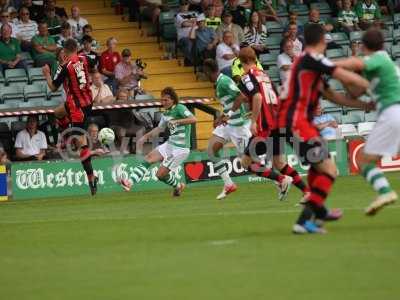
{"x":266,"y":84}
{"x":80,"y":74}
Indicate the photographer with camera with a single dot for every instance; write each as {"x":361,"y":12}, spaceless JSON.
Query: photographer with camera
{"x":128,"y":74}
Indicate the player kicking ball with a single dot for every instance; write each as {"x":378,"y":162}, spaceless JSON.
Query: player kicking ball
{"x":178,"y":119}
{"x":73,"y":74}
{"x":301,"y":97}
{"x":384,"y":140}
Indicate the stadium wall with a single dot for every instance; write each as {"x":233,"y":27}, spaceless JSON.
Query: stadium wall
{"x":66,"y":178}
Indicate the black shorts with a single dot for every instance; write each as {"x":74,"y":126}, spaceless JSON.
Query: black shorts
{"x":309,"y":152}
{"x":273,"y":145}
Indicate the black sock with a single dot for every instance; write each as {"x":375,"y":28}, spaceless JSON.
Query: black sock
{"x":306,"y":214}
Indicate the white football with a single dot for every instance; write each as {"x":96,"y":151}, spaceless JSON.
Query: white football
{"x":106,"y":136}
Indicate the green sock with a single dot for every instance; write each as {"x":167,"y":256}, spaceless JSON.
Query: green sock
{"x":376,"y":178}
{"x":139,"y":171}
{"x":171,"y":180}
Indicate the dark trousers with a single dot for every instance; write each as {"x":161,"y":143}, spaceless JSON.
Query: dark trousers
{"x":20,"y":65}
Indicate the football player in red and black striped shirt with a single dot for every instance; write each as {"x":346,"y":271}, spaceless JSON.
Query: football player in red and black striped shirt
{"x":299,"y":101}
{"x":264,"y":104}
{"x":73,"y":74}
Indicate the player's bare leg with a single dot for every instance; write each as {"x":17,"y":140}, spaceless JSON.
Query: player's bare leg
{"x":139,"y":171}
{"x":215,"y":144}
{"x":377,"y":179}
{"x":165,"y":175}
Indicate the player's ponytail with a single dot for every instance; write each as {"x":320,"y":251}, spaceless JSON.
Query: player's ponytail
{"x":170,"y":91}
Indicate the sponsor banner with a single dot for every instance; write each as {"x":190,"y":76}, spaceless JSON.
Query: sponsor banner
{"x":386,"y":164}
{"x":3,"y":184}
{"x":67,"y":178}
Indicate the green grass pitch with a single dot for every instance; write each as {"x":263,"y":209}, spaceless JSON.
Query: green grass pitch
{"x":151,"y":246}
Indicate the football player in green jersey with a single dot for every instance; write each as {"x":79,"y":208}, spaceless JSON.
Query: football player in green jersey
{"x":173,"y":152}
{"x":384,"y":139}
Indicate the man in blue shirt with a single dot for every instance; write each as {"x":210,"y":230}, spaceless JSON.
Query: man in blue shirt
{"x":205,"y":39}
{"x":325,"y":123}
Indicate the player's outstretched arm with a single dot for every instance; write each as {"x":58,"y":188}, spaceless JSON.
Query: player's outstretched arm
{"x":342,"y":100}
{"x":356,"y":84}
{"x":352,"y":63}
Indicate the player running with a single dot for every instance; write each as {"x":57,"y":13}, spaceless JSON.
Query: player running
{"x":178,"y":119}
{"x":304,"y":88}
{"x":235,"y":130}
{"x":73,"y":74}
{"x":264,"y":103}
{"x":384,"y":140}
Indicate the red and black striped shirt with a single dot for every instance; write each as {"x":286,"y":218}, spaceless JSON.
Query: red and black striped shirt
{"x":74,"y":75}
{"x":302,"y":92}
{"x":257,"y":81}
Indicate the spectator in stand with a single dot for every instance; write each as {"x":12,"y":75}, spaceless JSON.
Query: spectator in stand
{"x":101,"y":92}
{"x":44,"y":48}
{"x":205,"y":39}
{"x":293,"y":36}
{"x":3,"y":155}
{"x":5,"y":5}
{"x":184,"y":22}
{"x":35,"y":11}
{"x":5,"y":19}
{"x":325,"y":123}
{"x":227,"y":25}
{"x":30,"y":143}
{"x":227,"y":51}
{"x":10,"y":51}
{"x":66,"y":34}
{"x":247,"y":4}
{"x":212,"y":20}
{"x":266,"y":10}
{"x":195,"y":5}
{"x":347,"y":18}
{"x":255,"y":34}
{"x":94,"y":143}
{"x":314,"y":18}
{"x":238,"y":12}
{"x":336,"y":6}
{"x":92,"y":56}
{"x":128,"y":74}
{"x":293,"y":19}
{"x":133,"y":8}
{"x":369,"y":13}
{"x":52,"y":20}
{"x":60,"y":11}
{"x":216,"y":4}
{"x":285,"y":59}
{"x":26,"y":29}
{"x":108,"y":60}
{"x":87,"y":30}
{"x":77,"y":22}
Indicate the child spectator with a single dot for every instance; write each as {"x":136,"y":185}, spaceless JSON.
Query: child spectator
{"x":369,"y":13}
{"x":212,"y":20}
{"x":347,"y":18}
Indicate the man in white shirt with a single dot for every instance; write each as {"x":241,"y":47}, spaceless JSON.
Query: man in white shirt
{"x":101,"y":92}
{"x":77,"y":22}
{"x":26,"y":29}
{"x":292,"y":34}
{"x":227,"y":51}
{"x":285,"y":59}
{"x":30,"y":143}
{"x":185,"y":20}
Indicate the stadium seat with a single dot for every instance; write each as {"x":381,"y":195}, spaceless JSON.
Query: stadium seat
{"x":300,"y":9}
{"x":34,"y":91}
{"x":356,"y":36}
{"x":28,"y":58}
{"x":388,"y":35}
{"x":335,"y":53}
{"x":388,"y":48}
{"x":274,"y":42}
{"x":340,"y":38}
{"x":167,"y":25}
{"x":396,"y":20}
{"x":16,"y":76}
{"x":51,"y":94}
{"x":395,"y":52}
{"x":172,"y":4}
{"x":353,"y":117}
{"x":2,"y":79}
{"x":12,"y":94}
{"x":31,"y":103}
{"x":52,"y":102}
{"x":268,"y":59}
{"x":335,"y":85}
{"x":144,"y":97}
{"x":329,"y":107}
{"x":371,"y":116}
{"x":8,"y":105}
{"x":274,"y":27}
{"x":337,"y":115}
{"x":35,"y":74}
{"x":396,"y":36}
{"x":348,"y":130}
{"x":388,"y":21}
{"x":273,"y":73}
{"x":365,"y":128}
{"x":281,"y":11}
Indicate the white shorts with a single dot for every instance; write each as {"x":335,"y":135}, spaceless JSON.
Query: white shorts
{"x":173,"y":156}
{"x":384,"y":138}
{"x":238,"y":135}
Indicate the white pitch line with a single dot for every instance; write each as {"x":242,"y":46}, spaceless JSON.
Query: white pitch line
{"x":210,"y":214}
{"x":222,"y":242}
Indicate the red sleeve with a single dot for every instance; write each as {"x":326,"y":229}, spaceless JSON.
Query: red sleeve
{"x":102,"y":61}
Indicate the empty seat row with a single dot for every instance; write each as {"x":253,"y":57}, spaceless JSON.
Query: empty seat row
{"x":18,"y":76}
{"x":20,"y":93}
